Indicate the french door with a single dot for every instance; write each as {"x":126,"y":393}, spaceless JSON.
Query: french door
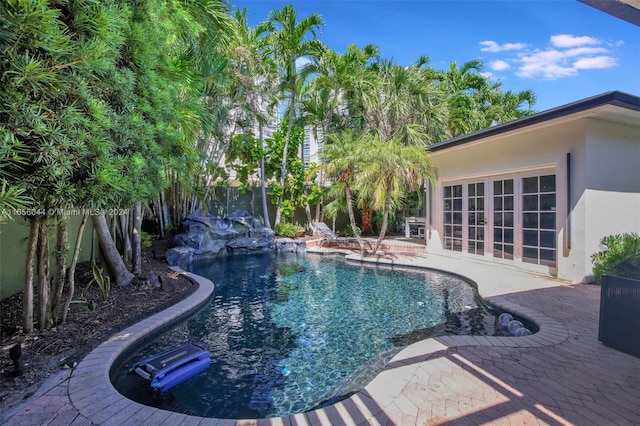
{"x":503,"y":219}
{"x":476,"y":219}
{"x":510,"y":218}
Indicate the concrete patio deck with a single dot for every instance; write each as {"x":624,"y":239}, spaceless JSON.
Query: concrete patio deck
{"x":561,"y":375}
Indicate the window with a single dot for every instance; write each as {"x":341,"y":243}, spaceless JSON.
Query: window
{"x":453,"y":217}
{"x":539,"y":220}
{"x":503,"y":219}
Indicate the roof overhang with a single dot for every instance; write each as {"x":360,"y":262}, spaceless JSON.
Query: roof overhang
{"x":627,"y":10}
{"x":617,"y":107}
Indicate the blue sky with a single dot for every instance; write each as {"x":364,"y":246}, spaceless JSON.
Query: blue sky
{"x":563,"y":50}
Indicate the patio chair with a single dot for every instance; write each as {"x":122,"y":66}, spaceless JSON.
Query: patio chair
{"x":331,"y":237}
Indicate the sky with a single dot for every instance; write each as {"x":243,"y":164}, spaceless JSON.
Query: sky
{"x":562,"y":50}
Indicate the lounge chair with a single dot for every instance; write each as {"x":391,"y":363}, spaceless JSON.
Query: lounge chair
{"x":331,"y":237}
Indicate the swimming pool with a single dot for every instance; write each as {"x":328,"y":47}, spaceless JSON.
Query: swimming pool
{"x":291,"y":333}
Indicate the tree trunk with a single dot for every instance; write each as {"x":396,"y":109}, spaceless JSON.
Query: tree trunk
{"x":263,"y":184}
{"x":367,"y":222}
{"x":159,"y":216}
{"x":352,"y":220}
{"x":136,"y":262}
{"x":124,"y":236}
{"x":27,"y":294}
{"x":72,"y":269}
{"x":44,"y":313}
{"x":283,"y":170}
{"x":61,"y":267}
{"x":385,"y":218}
{"x":117,"y":269}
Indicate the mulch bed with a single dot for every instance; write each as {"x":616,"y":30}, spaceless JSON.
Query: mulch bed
{"x":89,"y":323}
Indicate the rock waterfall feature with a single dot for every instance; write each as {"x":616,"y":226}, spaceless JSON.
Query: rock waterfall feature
{"x":208,"y":236}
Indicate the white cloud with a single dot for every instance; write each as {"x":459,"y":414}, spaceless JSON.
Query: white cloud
{"x":566,"y":55}
{"x":596,"y":62}
{"x":492,"y":46}
{"x":499,"y":65}
{"x":569,"y":40}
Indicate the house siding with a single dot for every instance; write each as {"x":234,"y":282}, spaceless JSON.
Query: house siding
{"x":601,"y":202}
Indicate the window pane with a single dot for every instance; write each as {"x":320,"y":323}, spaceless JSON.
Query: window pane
{"x":497,"y":203}
{"x":530,"y":220}
{"x":472,"y":204}
{"x":530,"y":203}
{"x":530,"y":255}
{"x":547,"y":220}
{"x":548,"y":202}
{"x":497,"y":187}
{"x":447,"y":192}
{"x":448,"y":218}
{"x":497,"y":250}
{"x":447,"y":206}
{"x":497,"y":235}
{"x":548,"y":183}
{"x":457,"y":231}
{"x":472,"y":218}
{"x":508,"y":236}
{"x":472,"y":233}
{"x":508,"y":220}
{"x":530,"y":238}
{"x":457,"y":218}
{"x":472,"y":190}
{"x":497,"y":219}
{"x":480,"y":190}
{"x":508,"y":186}
{"x":480,"y":234}
{"x":530,"y":185}
{"x":457,"y":204}
{"x":508,"y":202}
{"x":480,"y":204}
{"x":508,"y":250}
{"x":448,"y":232}
{"x":457,"y":191}
{"x":547,"y":239}
{"x":547,"y":257}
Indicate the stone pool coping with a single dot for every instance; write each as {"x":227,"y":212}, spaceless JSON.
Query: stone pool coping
{"x":93,"y":395}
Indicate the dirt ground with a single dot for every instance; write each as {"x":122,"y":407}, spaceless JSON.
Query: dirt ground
{"x":89,"y":322}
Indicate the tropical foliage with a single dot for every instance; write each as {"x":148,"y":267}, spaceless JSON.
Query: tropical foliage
{"x":133,"y":109}
{"x":620,"y":256}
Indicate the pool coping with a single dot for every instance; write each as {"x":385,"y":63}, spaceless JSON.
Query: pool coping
{"x":93,"y":395}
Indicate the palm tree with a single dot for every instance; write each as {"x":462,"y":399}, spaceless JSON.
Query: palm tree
{"x":289,"y":42}
{"x":388,"y":171}
{"x":500,"y":107}
{"x":340,"y":161}
{"x":255,"y":79}
{"x":403,"y":103}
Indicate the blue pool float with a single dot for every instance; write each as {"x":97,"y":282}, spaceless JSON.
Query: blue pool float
{"x":168,"y":369}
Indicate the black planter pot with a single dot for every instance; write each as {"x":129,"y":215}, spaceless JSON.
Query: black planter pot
{"x":620,"y":314}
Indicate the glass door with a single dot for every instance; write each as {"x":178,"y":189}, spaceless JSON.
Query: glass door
{"x":476,"y":218}
{"x":453,"y":217}
{"x":539,"y":220}
{"x":503,"y":219}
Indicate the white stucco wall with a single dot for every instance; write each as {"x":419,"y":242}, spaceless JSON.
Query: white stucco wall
{"x":612,"y":172}
{"x":602,"y":202}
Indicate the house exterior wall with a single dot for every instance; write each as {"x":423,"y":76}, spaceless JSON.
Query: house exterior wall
{"x":612,"y":174}
{"x":602,"y":196}
{"x":532,"y":151}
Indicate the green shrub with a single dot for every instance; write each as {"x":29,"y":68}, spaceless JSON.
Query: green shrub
{"x":286,"y":230}
{"x":621,"y":256}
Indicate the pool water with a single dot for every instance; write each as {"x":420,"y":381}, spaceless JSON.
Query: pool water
{"x":291,"y":333}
